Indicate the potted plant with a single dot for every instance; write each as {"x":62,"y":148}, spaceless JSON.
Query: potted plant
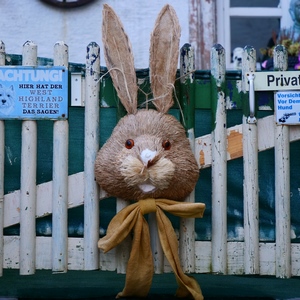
{"x":292,"y":47}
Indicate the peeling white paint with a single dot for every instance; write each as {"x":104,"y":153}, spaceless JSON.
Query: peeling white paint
{"x":71,"y":26}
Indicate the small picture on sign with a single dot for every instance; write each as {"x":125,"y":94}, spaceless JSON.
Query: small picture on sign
{"x":285,"y":116}
{"x":7,"y":99}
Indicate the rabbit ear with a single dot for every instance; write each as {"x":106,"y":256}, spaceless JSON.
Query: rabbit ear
{"x":164,"y":51}
{"x":119,"y":59}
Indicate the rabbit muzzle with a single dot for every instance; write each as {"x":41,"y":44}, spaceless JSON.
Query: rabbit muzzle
{"x":148,"y":172}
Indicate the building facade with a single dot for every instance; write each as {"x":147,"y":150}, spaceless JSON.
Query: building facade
{"x":231,"y":23}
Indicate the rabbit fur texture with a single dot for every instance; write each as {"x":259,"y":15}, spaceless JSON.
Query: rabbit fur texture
{"x":148,"y":158}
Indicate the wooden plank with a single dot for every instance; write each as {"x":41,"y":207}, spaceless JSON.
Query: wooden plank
{"x":91,"y":147}
{"x":282,"y":184}
{"x":267,"y":258}
{"x":28,"y":180}
{"x":203,"y":257}
{"x":250,"y":163}
{"x":43,"y":253}
{"x":187,"y":225}
{"x":60,"y":178}
{"x":44,"y":192}
{"x":107,"y":261}
{"x":2,"y":155}
{"x":295,"y":260}
{"x":219,"y":162}
{"x":123,"y":249}
{"x":156,"y":248}
{"x":235,"y":258}
{"x":265,"y":127}
{"x":202,"y":29}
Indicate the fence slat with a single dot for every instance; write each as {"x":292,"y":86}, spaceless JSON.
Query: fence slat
{"x":123,"y":249}
{"x":187,"y":225}
{"x":60,"y":179}
{"x":219,"y":162}
{"x":157,"y":251}
{"x":2,"y":155}
{"x":282,"y":184}
{"x":91,"y":147}
{"x":28,"y":180}
{"x":250,"y":163}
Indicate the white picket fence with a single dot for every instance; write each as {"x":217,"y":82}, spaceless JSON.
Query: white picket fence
{"x":60,"y":253}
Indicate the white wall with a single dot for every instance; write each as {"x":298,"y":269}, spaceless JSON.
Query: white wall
{"x":22,"y":20}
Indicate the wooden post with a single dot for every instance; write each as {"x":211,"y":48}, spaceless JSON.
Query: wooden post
{"x":282,"y":184}
{"x":250,"y":161}
{"x":60,"y":179}
{"x":157,"y":251}
{"x":2,"y":155}
{"x":123,"y":249}
{"x":28,"y":180}
{"x":202,"y":30}
{"x":187,"y":225}
{"x":219,"y":161}
{"x":91,"y":147}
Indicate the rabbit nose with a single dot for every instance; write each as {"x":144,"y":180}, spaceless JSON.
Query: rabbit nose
{"x":147,"y":155}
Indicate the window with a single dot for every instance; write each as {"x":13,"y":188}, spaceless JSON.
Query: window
{"x":249,"y":22}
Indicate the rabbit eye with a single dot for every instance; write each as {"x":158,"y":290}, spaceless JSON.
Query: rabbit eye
{"x":166,"y":145}
{"x":129,"y":144}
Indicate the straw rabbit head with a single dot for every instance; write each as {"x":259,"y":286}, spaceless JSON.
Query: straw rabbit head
{"x":148,"y":154}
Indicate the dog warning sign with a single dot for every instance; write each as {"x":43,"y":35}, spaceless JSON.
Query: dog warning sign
{"x":287,"y":107}
{"x":33,"y":93}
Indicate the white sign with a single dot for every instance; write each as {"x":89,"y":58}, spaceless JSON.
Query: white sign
{"x":287,"y":107}
{"x":275,"y":81}
{"x":33,"y":93}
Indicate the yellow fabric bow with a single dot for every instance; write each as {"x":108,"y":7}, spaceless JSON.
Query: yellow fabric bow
{"x":139,"y":271}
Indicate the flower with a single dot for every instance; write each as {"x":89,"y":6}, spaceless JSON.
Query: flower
{"x":285,"y":38}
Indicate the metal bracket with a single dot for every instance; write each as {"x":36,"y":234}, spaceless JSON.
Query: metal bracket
{"x":77,"y":96}
{"x":251,"y":119}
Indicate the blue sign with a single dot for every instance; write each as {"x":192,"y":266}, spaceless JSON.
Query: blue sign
{"x":33,"y":93}
{"x":287,"y":107}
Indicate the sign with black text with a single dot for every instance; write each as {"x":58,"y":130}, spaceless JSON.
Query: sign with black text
{"x":276,"y":81}
{"x":33,"y":93}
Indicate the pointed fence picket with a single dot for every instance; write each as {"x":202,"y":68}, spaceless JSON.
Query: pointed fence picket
{"x":187,"y":226}
{"x":2,"y":151}
{"x":60,"y":253}
{"x":91,"y":135}
{"x":250,"y":164}
{"x":282,"y":184}
{"x":28,"y":180}
{"x":60,"y":179}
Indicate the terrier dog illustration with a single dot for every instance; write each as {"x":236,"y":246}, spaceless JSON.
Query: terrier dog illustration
{"x":7,"y":102}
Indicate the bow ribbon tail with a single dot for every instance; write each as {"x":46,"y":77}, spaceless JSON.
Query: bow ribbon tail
{"x":140,"y":268}
{"x":188,"y":286}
